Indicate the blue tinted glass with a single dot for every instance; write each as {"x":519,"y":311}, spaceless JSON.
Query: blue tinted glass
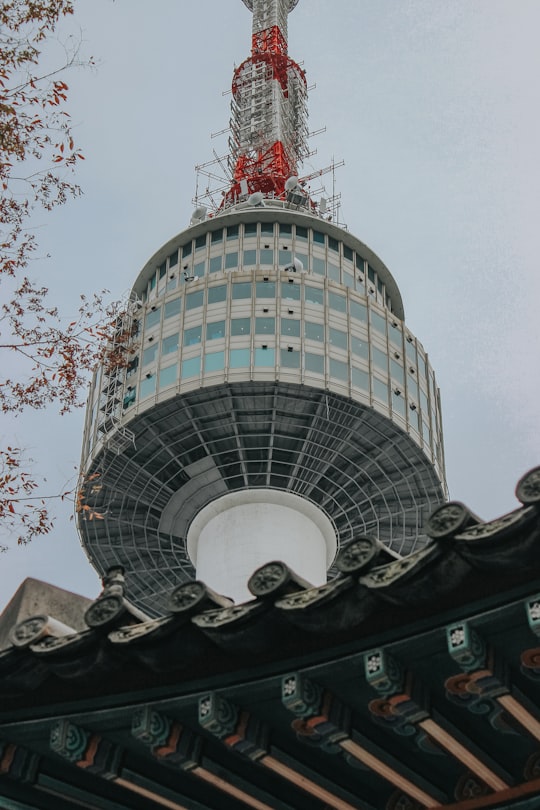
{"x":290,"y":327}
{"x":242,"y":290}
{"x":267,"y":256}
{"x":358,"y":311}
{"x":264,"y":357}
{"x":216,"y":263}
{"x":231,"y":260}
{"x":333,"y":272}
{"x":147,"y":386}
{"x":315,"y":363}
{"x":314,"y":295}
{"x":338,"y":339}
{"x":380,"y":390}
{"x":153,"y":317}
{"x":359,"y":347}
{"x":190,"y":368}
{"x":265,"y":326}
{"x":170,"y":344}
{"x":240,"y":326}
{"x":149,"y":354}
{"x":339,"y":370}
{"x":168,"y":376}
{"x":192,"y":335}
{"x":217,"y":294}
{"x":215,"y":361}
{"x":194,"y":300}
{"x":173,"y":307}
{"x":290,"y":292}
{"x":379,"y":359}
{"x":337,"y":302}
{"x":378,"y":322}
{"x":314,"y":331}
{"x":265,"y":289}
{"x":250,"y":257}
{"x":396,"y":371}
{"x":398,"y":404}
{"x":290,"y":359}
{"x":318,"y":266}
{"x":360,"y":378}
{"x":215,"y":330}
{"x":239,"y":358}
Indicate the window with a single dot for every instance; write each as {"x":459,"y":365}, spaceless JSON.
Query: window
{"x":339,"y":370}
{"x":250,"y":229}
{"x":170,"y":344}
{"x":193,"y":335}
{"x":396,"y":371}
{"x":318,"y":266}
{"x":171,"y":284}
{"x":314,"y":295}
{"x":290,"y":327}
{"x":267,"y":256}
{"x":232,"y":232}
{"x":265,"y":326}
{"x":285,"y":230}
{"x":290,"y":359}
{"x":265,"y":289}
{"x":190,"y":368}
{"x":284,"y":257}
{"x":162,"y":270}
{"x":217,"y":294}
{"x":380,"y":359}
{"x":315,"y":363}
{"x":267,"y":228}
{"x":380,"y":390}
{"x":186,"y":250}
{"x":153,"y":317}
{"x":398,"y":403}
{"x":215,"y":330}
{"x":129,"y":398}
{"x":173,"y":308}
{"x":147,"y":386}
{"x":231,"y":260}
{"x":371,"y":274}
{"x":314,"y":331}
{"x":153,"y":281}
{"x":215,"y":361}
{"x":347,"y":252}
{"x":359,"y":347}
{"x":338,"y":339}
{"x":358,"y":311}
{"x":173,"y":259}
{"x":168,"y":376}
{"x":250,"y":258}
{"x":194,"y":299}
{"x":239,"y":358}
{"x":264,"y":357}
{"x":333,"y":272}
{"x":200,"y":242}
{"x":240,"y":326}
{"x":216,"y":264}
{"x":242,"y":290}
{"x":290,"y":292}
{"x":337,"y":302}
{"x":149,"y":354}
{"x":217,"y":236}
{"x":360,"y":378}
{"x":199,"y":269}
{"x":318,"y":237}
{"x":301,"y":233}
{"x":378,"y":322}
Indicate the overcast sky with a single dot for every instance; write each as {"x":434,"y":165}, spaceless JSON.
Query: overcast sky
{"x":433,"y":106}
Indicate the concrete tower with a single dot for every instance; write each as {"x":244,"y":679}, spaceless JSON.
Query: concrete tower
{"x":275,"y":404}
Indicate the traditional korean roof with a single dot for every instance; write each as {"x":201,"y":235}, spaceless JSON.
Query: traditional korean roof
{"x":398,"y":685}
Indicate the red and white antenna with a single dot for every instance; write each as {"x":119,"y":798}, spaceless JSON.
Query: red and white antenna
{"x":268,"y":110}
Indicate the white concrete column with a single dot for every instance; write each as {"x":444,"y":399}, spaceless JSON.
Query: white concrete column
{"x":235,"y":534}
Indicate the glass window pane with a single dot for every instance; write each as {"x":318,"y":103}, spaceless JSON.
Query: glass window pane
{"x":267,"y":256}
{"x":337,"y":302}
{"x":200,"y":241}
{"x":186,"y":250}
{"x":285,"y":230}
{"x":130,"y":397}
{"x":333,"y":272}
{"x":217,"y":294}
{"x":380,"y":390}
{"x":359,"y":347}
{"x":239,"y":358}
{"x":318,"y":237}
{"x":398,"y":404}
{"x":301,"y":233}
{"x":232,"y":232}
{"x":149,"y":354}
{"x":153,"y":317}
{"x":314,"y":331}
{"x":314,"y":295}
{"x":378,"y":322}
{"x":360,"y":378}
{"x":162,"y":270}
{"x":380,"y":359}
{"x":216,"y":264}
{"x":338,"y":339}
{"x":173,"y":307}
{"x":348,"y":280}
{"x":242,"y":290}
{"x":318,"y":266}
{"x":250,"y":229}
{"x":267,"y":228}
{"x":264,"y":357}
{"x":190,"y":368}
{"x":290,"y":292}
{"x":240,"y":326}
{"x":231,"y":260}
{"x":171,"y":284}
{"x":192,"y":335}
{"x":315,"y":363}
{"x":290,"y":327}
{"x":250,"y":257}
{"x":396,"y":371}
{"x":147,"y":386}
{"x":217,"y":236}
{"x":199,"y":269}
{"x":290,"y":359}
{"x":168,"y":376}
{"x":173,"y":259}
{"x":265,"y":326}
{"x":339,"y":370}
{"x":265,"y":289}
{"x":215,"y":330}
{"x":285,"y":257}
{"x":194,"y":299}
{"x":358,"y":311}
{"x":170,"y":344}
{"x":215,"y":361}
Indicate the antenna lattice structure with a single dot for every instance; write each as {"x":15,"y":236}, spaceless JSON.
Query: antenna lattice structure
{"x":269,"y":108}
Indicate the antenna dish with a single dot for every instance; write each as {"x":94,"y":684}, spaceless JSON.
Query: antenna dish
{"x":199,"y":215}
{"x":291,"y":183}
{"x":256,"y":199}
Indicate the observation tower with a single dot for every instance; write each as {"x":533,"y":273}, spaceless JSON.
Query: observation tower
{"x":275,"y":404}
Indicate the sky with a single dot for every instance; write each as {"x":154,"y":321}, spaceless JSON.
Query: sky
{"x":433,"y":106}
